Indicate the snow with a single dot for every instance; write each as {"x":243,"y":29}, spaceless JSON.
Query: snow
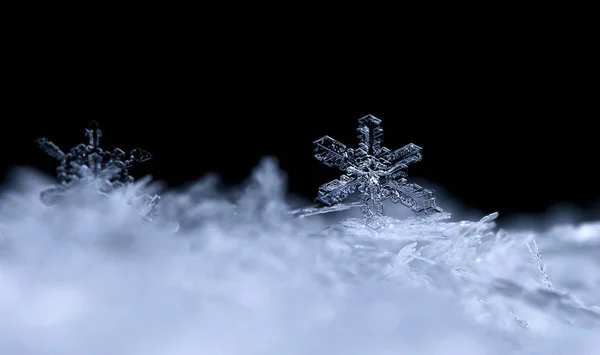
{"x":228,"y":273}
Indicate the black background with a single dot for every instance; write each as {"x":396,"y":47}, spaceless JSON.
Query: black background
{"x":505,"y":126}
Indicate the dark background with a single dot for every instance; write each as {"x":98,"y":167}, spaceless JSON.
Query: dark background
{"x":504,"y":126}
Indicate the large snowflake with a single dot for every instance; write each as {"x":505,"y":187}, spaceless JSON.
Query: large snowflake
{"x":373,"y":170}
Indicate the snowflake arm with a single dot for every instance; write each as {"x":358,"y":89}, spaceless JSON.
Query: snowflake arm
{"x":332,"y":153}
{"x":337,"y":190}
{"x":420,"y":200}
{"x":50,"y":148}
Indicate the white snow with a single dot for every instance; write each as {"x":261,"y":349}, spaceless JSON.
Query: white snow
{"x":240,"y":276}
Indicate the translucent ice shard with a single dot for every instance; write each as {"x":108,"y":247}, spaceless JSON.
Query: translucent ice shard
{"x":310,"y":211}
{"x":374,"y":171}
{"x":106,"y":170}
{"x":537,"y":256}
{"x":146,"y":205}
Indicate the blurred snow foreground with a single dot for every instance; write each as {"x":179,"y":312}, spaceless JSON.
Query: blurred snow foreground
{"x":232,"y":272}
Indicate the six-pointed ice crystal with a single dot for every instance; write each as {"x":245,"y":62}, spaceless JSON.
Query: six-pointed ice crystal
{"x":373,"y":170}
{"x":88,"y":162}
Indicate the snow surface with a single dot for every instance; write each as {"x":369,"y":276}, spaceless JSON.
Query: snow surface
{"x":232,"y":272}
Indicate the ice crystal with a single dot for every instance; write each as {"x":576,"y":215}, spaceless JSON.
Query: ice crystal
{"x":106,"y":170}
{"x":375,"y":171}
{"x":537,"y":256}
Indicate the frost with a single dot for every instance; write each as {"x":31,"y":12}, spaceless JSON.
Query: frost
{"x":537,"y":256}
{"x":104,"y":170}
{"x":376,"y":172}
{"x":243,"y":277}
